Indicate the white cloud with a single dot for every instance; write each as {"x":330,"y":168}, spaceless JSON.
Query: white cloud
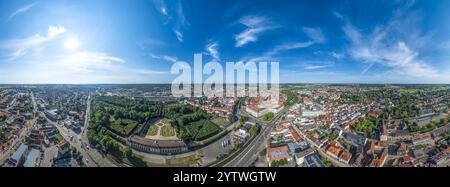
{"x":351,"y":32}
{"x":160,"y":5}
{"x":288,"y":46}
{"x":255,"y":26}
{"x":165,"y":58}
{"x":338,"y":15}
{"x":395,"y":45}
{"x":397,"y":55}
{"x":333,"y":54}
{"x":37,"y":39}
{"x":164,"y":11}
{"x":90,"y":61}
{"x":179,"y":35}
{"x":21,"y":10}
{"x":21,"y":46}
{"x":181,"y":22}
{"x":212,"y":50}
{"x":315,"y":34}
{"x":147,"y":71}
{"x":79,"y":68}
{"x":336,"y":55}
{"x":313,"y":65}
{"x":15,"y":55}
{"x":175,"y":16}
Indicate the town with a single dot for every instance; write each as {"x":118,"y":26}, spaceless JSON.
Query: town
{"x":311,"y":125}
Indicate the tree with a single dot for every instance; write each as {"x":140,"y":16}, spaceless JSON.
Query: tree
{"x":241,"y":121}
{"x":127,"y":152}
{"x":366,"y":127}
{"x":268,"y":116}
{"x":254,"y":130}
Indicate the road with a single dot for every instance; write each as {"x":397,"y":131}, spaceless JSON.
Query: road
{"x":92,"y":157}
{"x":92,"y":152}
{"x":248,"y":154}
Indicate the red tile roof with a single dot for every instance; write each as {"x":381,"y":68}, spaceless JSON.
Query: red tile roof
{"x":345,"y":155}
{"x":281,"y":148}
{"x":334,"y":150}
{"x":406,"y":159}
{"x":294,"y":133}
{"x":254,"y":107}
{"x":406,"y":165}
{"x":421,"y":136}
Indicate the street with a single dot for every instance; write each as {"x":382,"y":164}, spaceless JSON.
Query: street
{"x":248,"y":155}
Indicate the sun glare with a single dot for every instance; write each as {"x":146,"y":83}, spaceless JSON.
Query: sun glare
{"x":72,"y":44}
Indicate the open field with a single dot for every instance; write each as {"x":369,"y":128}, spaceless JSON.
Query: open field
{"x":167,"y":130}
{"x":162,"y":130}
{"x":152,"y":130}
{"x":221,"y":121}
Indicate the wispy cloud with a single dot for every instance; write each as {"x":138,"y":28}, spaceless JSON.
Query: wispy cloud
{"x":288,"y":46}
{"x":333,"y":54}
{"x":318,"y":65}
{"x":178,"y":34}
{"x":175,"y":16}
{"x":395,"y":45}
{"x":90,"y":61}
{"x":313,"y":65}
{"x":99,"y":66}
{"x":20,"y":46}
{"x":315,"y":34}
{"x":181,"y":23}
{"x":256,"y":25}
{"x":336,"y":55}
{"x":165,"y":58}
{"x":37,"y":39}
{"x":151,"y":43}
{"x":21,"y":10}
{"x":212,"y":49}
{"x":15,"y":55}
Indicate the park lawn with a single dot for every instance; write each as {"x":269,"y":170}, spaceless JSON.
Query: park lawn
{"x":174,"y":162}
{"x":152,"y":130}
{"x":221,"y":121}
{"x":167,"y":130}
{"x":182,"y":162}
{"x":58,"y":138}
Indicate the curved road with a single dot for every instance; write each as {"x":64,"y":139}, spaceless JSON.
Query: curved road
{"x":247,"y":156}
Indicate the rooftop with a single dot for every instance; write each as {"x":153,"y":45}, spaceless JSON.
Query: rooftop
{"x":278,"y":153}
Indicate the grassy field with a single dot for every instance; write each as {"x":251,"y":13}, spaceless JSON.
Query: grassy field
{"x":58,"y":138}
{"x":167,"y":130}
{"x":182,"y":162}
{"x":221,"y":121}
{"x":152,"y":130}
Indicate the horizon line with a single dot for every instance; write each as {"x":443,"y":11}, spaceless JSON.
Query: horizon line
{"x":235,"y":83}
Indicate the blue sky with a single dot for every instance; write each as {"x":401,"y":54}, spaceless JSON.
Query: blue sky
{"x":112,"y":41}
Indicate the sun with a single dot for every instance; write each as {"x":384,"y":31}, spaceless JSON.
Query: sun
{"x":72,"y":44}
